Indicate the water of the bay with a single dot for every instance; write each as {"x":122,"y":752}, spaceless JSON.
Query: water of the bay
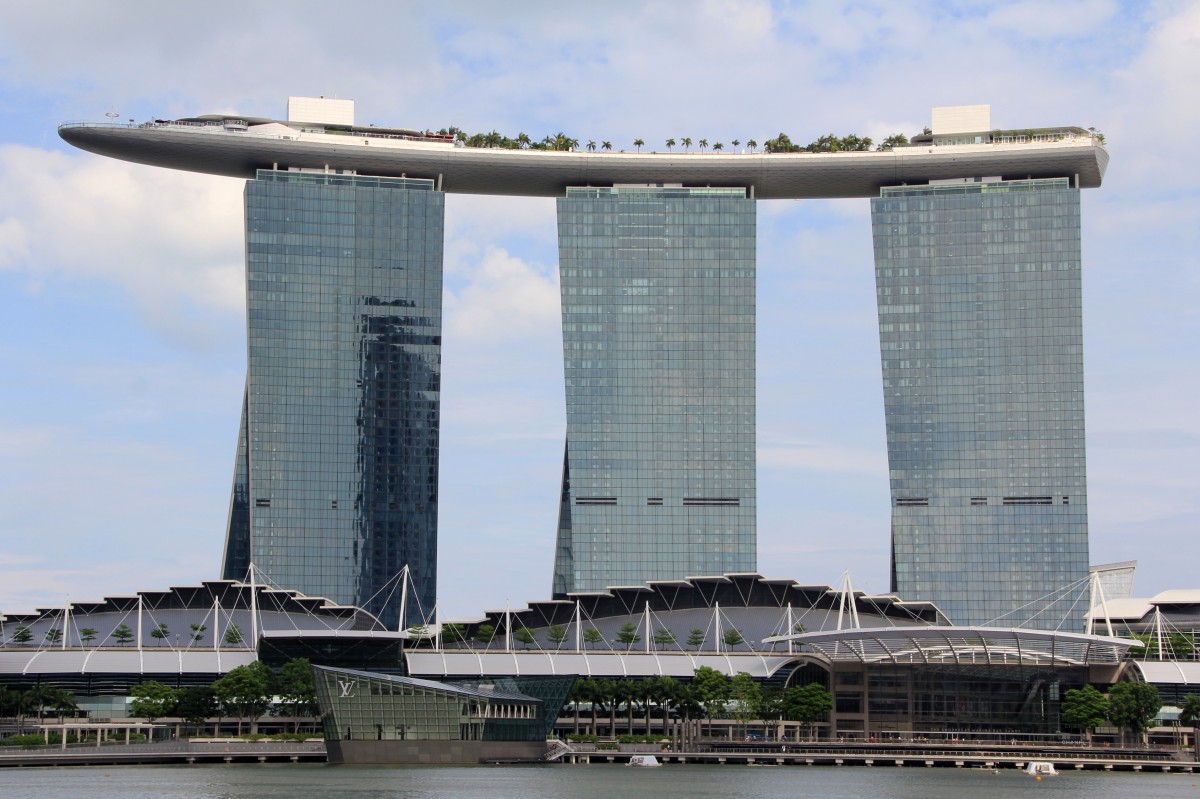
{"x":577,"y":782}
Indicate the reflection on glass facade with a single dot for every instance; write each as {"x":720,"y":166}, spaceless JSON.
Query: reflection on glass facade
{"x":365,"y":706}
{"x":335,"y":487}
{"x":658,"y":338}
{"x":980,"y":328}
{"x":970,"y":698}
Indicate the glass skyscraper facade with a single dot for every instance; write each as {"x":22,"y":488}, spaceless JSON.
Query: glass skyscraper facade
{"x":980,"y":327}
{"x":658,"y":288}
{"x":336,"y":480}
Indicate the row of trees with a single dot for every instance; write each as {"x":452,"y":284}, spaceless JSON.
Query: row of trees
{"x":123,"y":635}
{"x":556,"y":635}
{"x":1127,"y":706}
{"x":709,"y":695}
{"x":38,"y":700}
{"x":830,"y":143}
{"x":780,"y":144}
{"x":244,"y":693}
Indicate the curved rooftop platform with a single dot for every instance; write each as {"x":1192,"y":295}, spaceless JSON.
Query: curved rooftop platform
{"x":238,"y":151}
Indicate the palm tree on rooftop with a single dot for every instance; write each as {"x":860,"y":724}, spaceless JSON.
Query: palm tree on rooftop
{"x":606,"y":145}
{"x":638,"y":144}
{"x":670,"y":144}
{"x":687,"y":142}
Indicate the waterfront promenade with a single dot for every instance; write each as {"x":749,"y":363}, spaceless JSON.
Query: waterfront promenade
{"x":990,"y":756}
{"x":986,"y":756}
{"x":198,"y":751}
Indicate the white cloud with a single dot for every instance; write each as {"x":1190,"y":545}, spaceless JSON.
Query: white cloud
{"x":171,"y":240}
{"x":505,"y":299}
{"x":1058,"y":20}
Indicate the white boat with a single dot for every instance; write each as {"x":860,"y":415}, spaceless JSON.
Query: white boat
{"x":1040,"y":768}
{"x":646,"y":761}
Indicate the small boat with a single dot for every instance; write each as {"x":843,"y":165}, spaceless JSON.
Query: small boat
{"x":1040,"y":768}
{"x":645,"y":761}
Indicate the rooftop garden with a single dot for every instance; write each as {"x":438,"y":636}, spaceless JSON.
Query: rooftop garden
{"x":782,"y":143}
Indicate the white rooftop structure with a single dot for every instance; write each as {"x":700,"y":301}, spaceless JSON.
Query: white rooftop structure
{"x":321,"y":110}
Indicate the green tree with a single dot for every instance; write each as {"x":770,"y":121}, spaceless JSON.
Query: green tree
{"x":63,"y":702}
{"x":233,"y":635}
{"x":524,"y":635}
{"x":1183,"y":645}
{"x":669,"y":694}
{"x":23,"y":635}
{"x":895,"y":140}
{"x":13,"y":704}
{"x":1190,"y":714}
{"x":687,"y":142}
{"x":122,"y":635}
{"x":638,"y":144}
{"x":1131,"y":706}
{"x":556,"y":634}
{"x":591,"y":145}
{"x":628,"y":634}
{"x":583,"y":690}
{"x":196,"y":705}
{"x":771,"y":706}
{"x":751,"y":144}
{"x":779,"y":144}
{"x":703,"y":144}
{"x":1085,"y":709}
{"x":484,"y":633}
{"x":807,"y":704}
{"x":711,"y":688}
{"x":53,"y":635}
{"x":161,"y":632}
{"x":670,"y":144}
{"x":606,"y":146}
{"x":664,"y":637}
{"x":245,"y":692}
{"x":198,"y":631}
{"x":295,"y":689}
{"x":745,"y":698}
{"x":735,"y":143}
{"x":592,"y":636}
{"x":152,"y":700}
{"x":733,"y":637}
{"x":696,"y":638}
{"x":454,"y":633}
{"x":626,"y":692}
{"x":87,"y":635}
{"x":523,"y":141}
{"x":718,"y":147}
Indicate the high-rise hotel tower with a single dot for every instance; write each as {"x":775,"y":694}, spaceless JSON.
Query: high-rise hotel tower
{"x":658,"y":342}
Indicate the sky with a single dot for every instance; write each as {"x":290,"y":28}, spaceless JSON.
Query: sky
{"x":122,"y":287}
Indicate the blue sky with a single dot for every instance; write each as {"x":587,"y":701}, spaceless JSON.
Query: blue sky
{"x":122,"y":332}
